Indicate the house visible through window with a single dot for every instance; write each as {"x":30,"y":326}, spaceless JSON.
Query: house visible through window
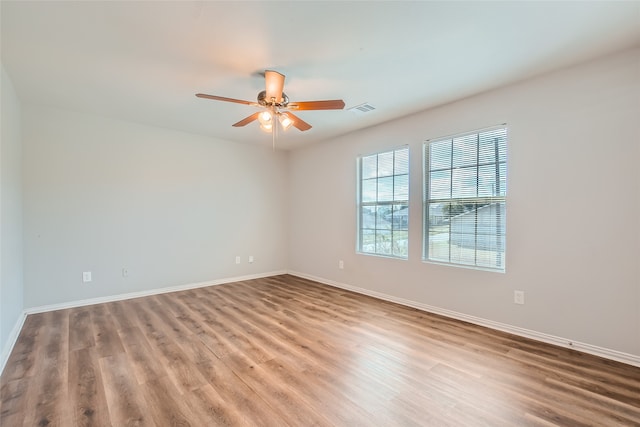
{"x":383,"y":203}
{"x":465,"y":199}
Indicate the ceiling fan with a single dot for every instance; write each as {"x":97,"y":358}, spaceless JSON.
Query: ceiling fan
{"x":276,"y":105}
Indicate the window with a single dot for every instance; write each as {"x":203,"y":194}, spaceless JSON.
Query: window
{"x":465,"y":199}
{"x":383,"y":203}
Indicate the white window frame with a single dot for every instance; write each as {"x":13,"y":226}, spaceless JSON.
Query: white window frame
{"x":397,"y":226}
{"x":488,"y":248}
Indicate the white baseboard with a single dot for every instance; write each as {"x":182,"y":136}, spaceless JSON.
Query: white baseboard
{"x":606,"y":353}
{"x":131,"y":295}
{"x":11,"y":341}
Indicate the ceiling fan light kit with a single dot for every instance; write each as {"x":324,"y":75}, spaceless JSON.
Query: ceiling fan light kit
{"x":276,"y":105}
{"x":285,"y":121}
{"x":265,"y":118}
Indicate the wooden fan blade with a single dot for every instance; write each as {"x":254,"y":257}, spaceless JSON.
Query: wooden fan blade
{"x":275,"y":85}
{"x":334,"y":104}
{"x":298,"y":122}
{"x":222,"y":98}
{"x":247,"y":120}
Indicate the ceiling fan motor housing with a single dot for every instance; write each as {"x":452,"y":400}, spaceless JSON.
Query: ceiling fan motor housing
{"x":262,"y":100}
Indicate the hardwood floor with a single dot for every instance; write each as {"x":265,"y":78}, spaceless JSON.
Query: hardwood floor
{"x":287,"y":351}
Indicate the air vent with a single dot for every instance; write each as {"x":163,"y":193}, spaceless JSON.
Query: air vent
{"x":362,"y":108}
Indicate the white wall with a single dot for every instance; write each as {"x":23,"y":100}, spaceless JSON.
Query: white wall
{"x":173,"y":208}
{"x":573,"y":209}
{"x":11,"y":284}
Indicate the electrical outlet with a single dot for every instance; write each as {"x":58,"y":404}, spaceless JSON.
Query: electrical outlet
{"x":125,"y":272}
{"x":341,"y":265}
{"x":518,"y":297}
{"x":238,"y":260}
{"x":250,"y":259}
{"x":86,"y":276}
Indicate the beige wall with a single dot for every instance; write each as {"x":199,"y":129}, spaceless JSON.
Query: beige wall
{"x":11,"y":284}
{"x":173,"y":208}
{"x":573,"y":208}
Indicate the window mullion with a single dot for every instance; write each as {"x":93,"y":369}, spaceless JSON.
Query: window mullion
{"x":393,"y":197}
{"x":375,"y":217}
{"x":475,"y":206}
{"x":450,"y":195}
{"x":499,"y":248}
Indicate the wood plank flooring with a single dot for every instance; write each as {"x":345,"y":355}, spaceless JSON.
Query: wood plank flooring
{"x":287,"y":351}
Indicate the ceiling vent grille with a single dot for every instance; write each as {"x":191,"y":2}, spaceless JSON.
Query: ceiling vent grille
{"x":362,"y":108}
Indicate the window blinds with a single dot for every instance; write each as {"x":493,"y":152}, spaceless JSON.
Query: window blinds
{"x":383,"y":208}
{"x":465,"y":199}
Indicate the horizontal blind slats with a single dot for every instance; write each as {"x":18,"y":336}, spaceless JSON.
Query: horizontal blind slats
{"x":465,"y":198}
{"x":383,"y":205}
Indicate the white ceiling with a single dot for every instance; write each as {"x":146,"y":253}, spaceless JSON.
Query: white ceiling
{"x":144,"y":61}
